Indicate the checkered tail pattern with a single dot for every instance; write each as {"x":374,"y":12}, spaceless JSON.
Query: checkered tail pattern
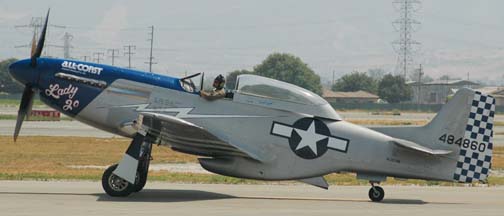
{"x":474,"y":160}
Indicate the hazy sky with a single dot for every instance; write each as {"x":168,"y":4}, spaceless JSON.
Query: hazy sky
{"x":218,"y":36}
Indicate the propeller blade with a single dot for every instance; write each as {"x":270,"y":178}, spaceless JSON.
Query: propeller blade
{"x":33,"y":45}
{"x":24,"y":108}
{"x":40,"y":44}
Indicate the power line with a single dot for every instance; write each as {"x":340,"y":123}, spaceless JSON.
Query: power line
{"x":85,"y":58}
{"x":113,"y":54}
{"x":240,"y":27}
{"x":98,"y":56}
{"x":129,"y":53}
{"x":405,"y":25}
{"x":36,"y":24}
{"x":151,"y":39}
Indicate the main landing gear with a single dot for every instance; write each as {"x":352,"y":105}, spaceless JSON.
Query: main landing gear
{"x":376,"y":193}
{"x":130,"y":175}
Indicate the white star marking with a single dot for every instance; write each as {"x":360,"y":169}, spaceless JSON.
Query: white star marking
{"x":309,"y":138}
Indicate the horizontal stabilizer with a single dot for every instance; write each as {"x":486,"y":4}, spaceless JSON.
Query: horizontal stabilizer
{"x":419,"y":148}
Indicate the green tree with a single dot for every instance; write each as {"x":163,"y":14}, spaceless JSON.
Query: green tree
{"x":354,"y":82}
{"x":231,"y":77}
{"x":376,"y":73}
{"x":7,"y":83}
{"x":291,"y":69}
{"x":393,"y":89}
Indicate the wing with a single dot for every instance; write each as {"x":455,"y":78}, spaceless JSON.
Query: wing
{"x":187,"y":137}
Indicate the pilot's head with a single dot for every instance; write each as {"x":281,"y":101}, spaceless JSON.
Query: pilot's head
{"x":219,"y":82}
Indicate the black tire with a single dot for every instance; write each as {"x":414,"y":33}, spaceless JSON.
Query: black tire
{"x":140,"y":184}
{"x":377,"y":194}
{"x":114,"y":185}
{"x":142,"y":174}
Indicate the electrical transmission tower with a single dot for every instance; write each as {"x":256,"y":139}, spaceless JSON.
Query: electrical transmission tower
{"x":67,"y":38}
{"x":151,"y":39}
{"x":113,"y":55}
{"x":36,"y":24}
{"x":128,"y":51}
{"x":406,"y":47}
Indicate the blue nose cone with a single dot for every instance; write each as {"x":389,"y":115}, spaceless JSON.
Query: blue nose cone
{"x":23,"y":72}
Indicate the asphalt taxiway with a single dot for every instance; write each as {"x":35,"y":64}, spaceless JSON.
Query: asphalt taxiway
{"x":87,"y":198}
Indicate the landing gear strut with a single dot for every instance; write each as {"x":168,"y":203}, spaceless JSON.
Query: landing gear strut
{"x":137,"y":157}
{"x":376,"y":193}
{"x":143,"y":166}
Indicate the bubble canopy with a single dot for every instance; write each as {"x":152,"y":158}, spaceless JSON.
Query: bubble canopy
{"x":277,"y":90}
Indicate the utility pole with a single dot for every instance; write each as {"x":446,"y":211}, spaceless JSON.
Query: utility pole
{"x":151,"y":39}
{"x":113,"y":54}
{"x":127,"y":51}
{"x":405,"y":25}
{"x":66,"y":45}
{"x":98,"y":56}
{"x":420,"y":74}
{"x":332,"y":81}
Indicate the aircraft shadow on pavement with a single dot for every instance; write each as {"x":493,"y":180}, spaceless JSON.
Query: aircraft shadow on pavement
{"x":164,"y":195}
{"x":415,"y":202}
{"x":153,"y":195}
{"x":385,"y":201}
{"x":404,"y":201}
{"x":156,"y":195}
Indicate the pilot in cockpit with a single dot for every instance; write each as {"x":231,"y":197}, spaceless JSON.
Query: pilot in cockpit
{"x":218,"y":91}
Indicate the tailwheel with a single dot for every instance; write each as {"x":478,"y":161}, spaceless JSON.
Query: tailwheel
{"x":376,"y":193}
{"x":114,"y":185}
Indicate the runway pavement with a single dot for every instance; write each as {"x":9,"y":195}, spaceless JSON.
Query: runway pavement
{"x":87,"y":198}
{"x":53,"y":128}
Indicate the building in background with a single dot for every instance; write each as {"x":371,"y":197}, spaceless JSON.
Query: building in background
{"x":438,"y":91}
{"x":496,"y":92}
{"x":358,"y":97}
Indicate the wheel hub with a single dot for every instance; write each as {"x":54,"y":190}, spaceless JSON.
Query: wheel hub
{"x":117,"y":183}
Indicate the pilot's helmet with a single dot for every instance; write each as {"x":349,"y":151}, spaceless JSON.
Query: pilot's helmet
{"x":219,"y":82}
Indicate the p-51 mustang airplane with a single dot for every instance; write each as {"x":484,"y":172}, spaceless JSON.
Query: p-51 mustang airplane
{"x":264,"y":129}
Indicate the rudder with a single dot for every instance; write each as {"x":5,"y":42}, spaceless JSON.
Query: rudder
{"x":475,"y":155}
